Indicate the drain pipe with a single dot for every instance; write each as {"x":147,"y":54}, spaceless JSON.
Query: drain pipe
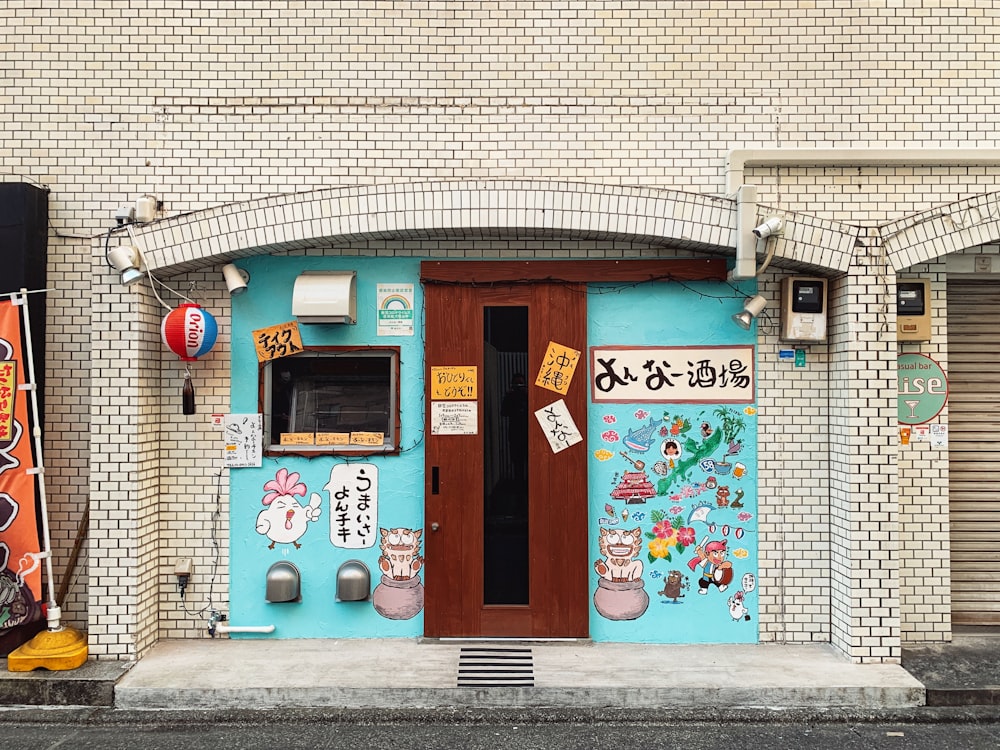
{"x":746,"y":242}
{"x":223,"y":629}
{"x":215,"y":626}
{"x":738,"y":159}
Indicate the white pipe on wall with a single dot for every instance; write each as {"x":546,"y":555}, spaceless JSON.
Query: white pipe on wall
{"x":738,"y":159}
{"x":244,"y":628}
{"x":746,"y":243}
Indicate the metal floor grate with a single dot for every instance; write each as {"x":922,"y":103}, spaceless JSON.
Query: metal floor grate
{"x":495,"y":666}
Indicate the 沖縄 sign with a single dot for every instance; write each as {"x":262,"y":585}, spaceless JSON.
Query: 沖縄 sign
{"x":923,"y":388}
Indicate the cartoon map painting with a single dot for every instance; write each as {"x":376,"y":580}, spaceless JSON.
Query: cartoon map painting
{"x":675,"y":549}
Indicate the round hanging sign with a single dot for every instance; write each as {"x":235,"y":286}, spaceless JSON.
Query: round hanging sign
{"x":923,"y":388}
{"x":189,"y":331}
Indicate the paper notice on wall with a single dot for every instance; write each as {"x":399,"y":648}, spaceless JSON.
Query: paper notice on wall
{"x":244,"y":446}
{"x":395,"y":310}
{"x":557,"y":424}
{"x":454,"y":417}
{"x":939,"y":435}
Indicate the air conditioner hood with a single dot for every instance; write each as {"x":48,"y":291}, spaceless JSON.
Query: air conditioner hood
{"x":325,"y":297}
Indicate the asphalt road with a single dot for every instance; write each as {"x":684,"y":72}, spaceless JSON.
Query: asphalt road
{"x":177,"y":735}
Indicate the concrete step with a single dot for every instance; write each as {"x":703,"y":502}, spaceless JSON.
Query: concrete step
{"x":408,"y":673}
{"x":92,"y":684}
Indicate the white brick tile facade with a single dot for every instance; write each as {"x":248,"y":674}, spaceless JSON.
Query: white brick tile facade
{"x":441,"y":129}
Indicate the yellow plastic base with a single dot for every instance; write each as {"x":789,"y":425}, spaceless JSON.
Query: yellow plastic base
{"x":57,"y":650}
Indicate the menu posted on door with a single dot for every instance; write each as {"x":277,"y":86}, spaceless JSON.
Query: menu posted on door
{"x":454,"y":418}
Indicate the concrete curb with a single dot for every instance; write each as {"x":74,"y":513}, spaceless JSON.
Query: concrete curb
{"x":491,"y":716}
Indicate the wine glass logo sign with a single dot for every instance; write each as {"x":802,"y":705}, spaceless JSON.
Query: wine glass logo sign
{"x":189,"y":331}
{"x":923,"y":388}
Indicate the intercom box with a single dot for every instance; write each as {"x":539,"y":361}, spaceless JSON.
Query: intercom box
{"x":803,"y":308}
{"x":913,"y":310}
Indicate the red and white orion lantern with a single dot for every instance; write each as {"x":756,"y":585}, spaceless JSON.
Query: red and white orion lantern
{"x":189,"y":331}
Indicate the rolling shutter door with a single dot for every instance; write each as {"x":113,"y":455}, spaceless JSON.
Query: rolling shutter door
{"x":974,"y":450}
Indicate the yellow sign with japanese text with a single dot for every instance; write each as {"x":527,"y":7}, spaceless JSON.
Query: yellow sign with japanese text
{"x":298,"y":438}
{"x":454,"y":383}
{"x":274,"y":342}
{"x":557,"y":368}
{"x":333,"y":438}
{"x":367,"y":438}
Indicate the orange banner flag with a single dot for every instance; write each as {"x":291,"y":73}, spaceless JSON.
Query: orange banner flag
{"x":20,"y":550}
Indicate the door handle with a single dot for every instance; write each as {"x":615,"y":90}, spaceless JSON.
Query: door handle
{"x":435,"y":527}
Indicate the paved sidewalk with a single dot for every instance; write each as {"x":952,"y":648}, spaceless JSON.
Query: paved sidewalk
{"x":410,"y":674}
{"x":965,"y":672}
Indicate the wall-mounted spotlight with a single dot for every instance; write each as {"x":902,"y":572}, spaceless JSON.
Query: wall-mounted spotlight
{"x":753,"y":307}
{"x":773,"y":225}
{"x":236,"y":279}
{"x":125,"y":259}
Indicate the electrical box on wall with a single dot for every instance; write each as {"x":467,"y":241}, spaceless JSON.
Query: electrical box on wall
{"x":803,"y":308}
{"x":913,"y":310}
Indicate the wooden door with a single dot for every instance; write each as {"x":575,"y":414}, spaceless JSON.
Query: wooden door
{"x":478,"y":539}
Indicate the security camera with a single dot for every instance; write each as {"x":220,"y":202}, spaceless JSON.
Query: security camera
{"x":772,"y":226}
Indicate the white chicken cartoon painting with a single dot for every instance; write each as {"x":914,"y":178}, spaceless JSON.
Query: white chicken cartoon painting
{"x":284,"y":519}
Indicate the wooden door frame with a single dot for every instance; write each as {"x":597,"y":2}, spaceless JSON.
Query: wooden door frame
{"x":575,"y":271}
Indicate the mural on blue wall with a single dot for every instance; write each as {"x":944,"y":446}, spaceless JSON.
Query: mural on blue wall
{"x":677,"y":481}
{"x":400,"y":593}
{"x":284,"y":520}
{"x":351,"y":496}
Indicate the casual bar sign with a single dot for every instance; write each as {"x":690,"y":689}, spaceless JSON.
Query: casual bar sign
{"x":923,"y":388}
{"x":672,"y":374}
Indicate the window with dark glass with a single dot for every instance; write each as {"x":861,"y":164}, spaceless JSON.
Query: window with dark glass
{"x":332,"y":400}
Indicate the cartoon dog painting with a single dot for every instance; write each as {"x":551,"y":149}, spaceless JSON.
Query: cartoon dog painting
{"x":619,"y":549}
{"x":400,"y":594}
{"x":674,"y":585}
{"x":620,"y":591}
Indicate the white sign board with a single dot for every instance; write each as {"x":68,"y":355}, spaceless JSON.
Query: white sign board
{"x":353,"y":492}
{"x":672,"y":374}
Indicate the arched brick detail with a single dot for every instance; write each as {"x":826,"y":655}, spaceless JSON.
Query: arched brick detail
{"x":931,"y":234}
{"x":325,"y":218}
{"x":464,"y":209}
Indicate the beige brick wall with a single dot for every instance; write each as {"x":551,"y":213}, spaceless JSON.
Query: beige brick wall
{"x":221,"y":101}
{"x":924,"y":552}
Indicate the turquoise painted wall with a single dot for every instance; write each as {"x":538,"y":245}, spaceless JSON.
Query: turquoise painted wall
{"x":685,"y":509}
{"x":677,"y":501}
{"x":400,"y":477}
